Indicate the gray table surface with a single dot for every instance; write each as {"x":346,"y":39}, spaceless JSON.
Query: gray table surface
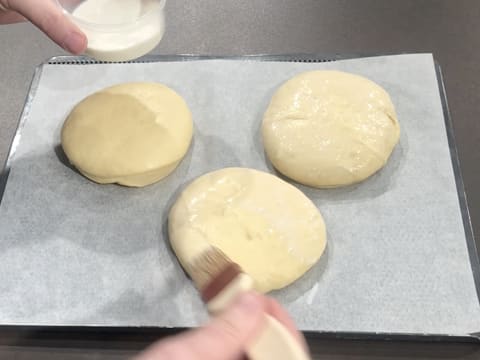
{"x":450,"y":29}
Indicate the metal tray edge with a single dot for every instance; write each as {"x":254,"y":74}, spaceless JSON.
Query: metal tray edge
{"x":462,"y":196}
{"x":293,"y":57}
{"x":5,"y":170}
{"x":132,"y":333}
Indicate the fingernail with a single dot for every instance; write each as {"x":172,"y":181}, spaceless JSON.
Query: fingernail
{"x":74,"y":43}
{"x":248,"y":303}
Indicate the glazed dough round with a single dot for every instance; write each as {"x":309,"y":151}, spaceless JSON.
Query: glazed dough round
{"x":329,"y":128}
{"x":267,"y":226}
{"x":133,"y":134}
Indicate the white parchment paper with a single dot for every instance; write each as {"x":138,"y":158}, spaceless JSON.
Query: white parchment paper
{"x":74,"y":252}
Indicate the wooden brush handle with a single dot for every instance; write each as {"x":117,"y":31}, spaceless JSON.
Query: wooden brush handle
{"x":274,"y":340}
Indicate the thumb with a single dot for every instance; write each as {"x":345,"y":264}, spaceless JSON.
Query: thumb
{"x":224,"y":338}
{"x":48,"y":17}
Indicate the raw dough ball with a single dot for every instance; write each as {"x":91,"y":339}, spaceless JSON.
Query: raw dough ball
{"x":329,"y":128}
{"x":267,"y":226}
{"x":132,"y":134}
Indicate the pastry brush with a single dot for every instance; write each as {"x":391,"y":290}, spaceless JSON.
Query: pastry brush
{"x":220,"y":281}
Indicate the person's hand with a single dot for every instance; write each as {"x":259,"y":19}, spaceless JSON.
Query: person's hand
{"x":226,"y":336}
{"x":48,"y":17}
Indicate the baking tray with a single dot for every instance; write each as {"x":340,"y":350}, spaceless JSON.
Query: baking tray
{"x":131,"y":331}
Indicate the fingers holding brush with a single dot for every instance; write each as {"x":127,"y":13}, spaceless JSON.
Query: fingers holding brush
{"x":225,"y":337}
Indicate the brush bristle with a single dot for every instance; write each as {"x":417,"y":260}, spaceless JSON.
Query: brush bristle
{"x":207,"y":266}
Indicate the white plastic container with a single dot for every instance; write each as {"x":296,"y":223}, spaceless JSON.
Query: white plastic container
{"x":118,"y":30}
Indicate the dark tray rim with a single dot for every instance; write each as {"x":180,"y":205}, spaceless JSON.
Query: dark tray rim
{"x":131,"y":333}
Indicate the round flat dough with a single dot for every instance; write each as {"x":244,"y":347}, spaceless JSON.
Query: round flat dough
{"x":329,"y":128}
{"x":267,"y":226}
{"x":133,"y":134}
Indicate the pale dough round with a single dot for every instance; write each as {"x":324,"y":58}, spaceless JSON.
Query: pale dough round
{"x":267,"y":226}
{"x":133,"y":134}
{"x":329,"y":128}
